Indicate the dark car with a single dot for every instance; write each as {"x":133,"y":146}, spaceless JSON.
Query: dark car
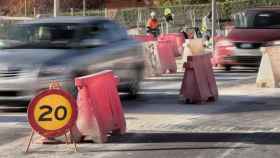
{"x":36,"y":52}
{"x":253,"y":29}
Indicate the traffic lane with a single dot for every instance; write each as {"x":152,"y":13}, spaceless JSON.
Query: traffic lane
{"x":223,"y":79}
{"x":152,"y":88}
{"x":172,"y":83}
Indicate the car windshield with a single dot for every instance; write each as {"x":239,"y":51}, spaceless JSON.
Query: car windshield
{"x":267,"y":19}
{"x":37,"y":36}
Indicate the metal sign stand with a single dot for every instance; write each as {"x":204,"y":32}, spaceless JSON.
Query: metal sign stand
{"x":66,"y":141}
{"x":54,"y":85}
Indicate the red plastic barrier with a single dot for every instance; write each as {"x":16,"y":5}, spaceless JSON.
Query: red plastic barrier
{"x":173,"y":44}
{"x":144,"y":38}
{"x":100,"y":108}
{"x":199,"y":84}
{"x":178,"y":39}
{"x":166,"y":57}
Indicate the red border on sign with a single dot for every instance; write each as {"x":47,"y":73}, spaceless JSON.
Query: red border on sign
{"x":58,"y":132}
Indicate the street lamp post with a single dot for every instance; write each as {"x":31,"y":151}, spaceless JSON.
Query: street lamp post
{"x":84,"y":7}
{"x":213,"y":24}
{"x":25,"y":8}
{"x":55,"y":8}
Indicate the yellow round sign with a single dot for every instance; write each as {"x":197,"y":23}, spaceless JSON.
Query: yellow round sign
{"x":52,"y":112}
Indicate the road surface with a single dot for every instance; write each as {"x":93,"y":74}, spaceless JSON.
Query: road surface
{"x":244,"y":122}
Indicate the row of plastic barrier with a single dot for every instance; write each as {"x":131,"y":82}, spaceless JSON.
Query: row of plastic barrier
{"x":177,"y":41}
{"x":159,"y":58}
{"x":199,"y":84}
{"x":100,"y":109}
{"x":161,"y":52}
{"x":100,"y":112}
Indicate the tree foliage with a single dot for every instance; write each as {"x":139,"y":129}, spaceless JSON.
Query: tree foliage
{"x":176,"y":2}
{"x":16,"y":7}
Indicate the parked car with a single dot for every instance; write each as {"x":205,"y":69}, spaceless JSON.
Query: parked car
{"x":253,"y":29}
{"x":33,"y":53}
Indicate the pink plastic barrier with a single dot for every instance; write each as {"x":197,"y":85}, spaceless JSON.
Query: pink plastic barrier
{"x":199,"y":84}
{"x":178,"y":39}
{"x":173,"y":44}
{"x":166,"y":57}
{"x":99,"y":105}
{"x":144,"y":38}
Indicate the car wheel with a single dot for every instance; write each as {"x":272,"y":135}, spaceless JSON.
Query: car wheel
{"x":133,"y":89}
{"x":227,"y":68}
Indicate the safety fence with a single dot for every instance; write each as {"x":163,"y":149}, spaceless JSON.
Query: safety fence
{"x":184,"y":15}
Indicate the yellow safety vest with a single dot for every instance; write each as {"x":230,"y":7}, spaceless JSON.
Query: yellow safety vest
{"x":167,"y":11}
{"x":204,"y":26}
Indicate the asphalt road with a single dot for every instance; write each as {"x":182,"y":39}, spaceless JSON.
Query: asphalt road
{"x":244,"y":122}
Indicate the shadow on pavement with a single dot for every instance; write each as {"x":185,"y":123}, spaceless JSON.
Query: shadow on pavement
{"x":169,"y":149}
{"x":150,"y":148}
{"x":237,"y":70}
{"x":253,"y":138}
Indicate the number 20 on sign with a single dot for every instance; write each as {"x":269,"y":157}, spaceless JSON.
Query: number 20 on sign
{"x":52,"y":113}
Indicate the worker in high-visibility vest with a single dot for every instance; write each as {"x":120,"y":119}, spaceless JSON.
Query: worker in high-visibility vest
{"x":168,"y":15}
{"x":153,"y":25}
{"x":206,"y":26}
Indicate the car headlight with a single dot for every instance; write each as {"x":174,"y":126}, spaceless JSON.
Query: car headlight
{"x":224,"y":43}
{"x":272,"y":43}
{"x":53,"y":71}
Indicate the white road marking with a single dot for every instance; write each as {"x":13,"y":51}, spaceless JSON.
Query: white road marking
{"x":229,"y":151}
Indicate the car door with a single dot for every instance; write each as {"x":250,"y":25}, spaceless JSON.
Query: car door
{"x":115,"y":50}
{"x":127,"y":57}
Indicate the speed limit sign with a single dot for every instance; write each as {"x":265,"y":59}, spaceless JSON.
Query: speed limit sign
{"x":52,"y":113}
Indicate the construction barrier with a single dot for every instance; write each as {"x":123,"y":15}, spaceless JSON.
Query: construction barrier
{"x":180,"y":38}
{"x":173,"y":44}
{"x":269,"y":71}
{"x":99,"y":107}
{"x":199,"y":84}
{"x":177,"y":39}
{"x":144,"y":38}
{"x":152,"y":63}
{"x":166,"y":57}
